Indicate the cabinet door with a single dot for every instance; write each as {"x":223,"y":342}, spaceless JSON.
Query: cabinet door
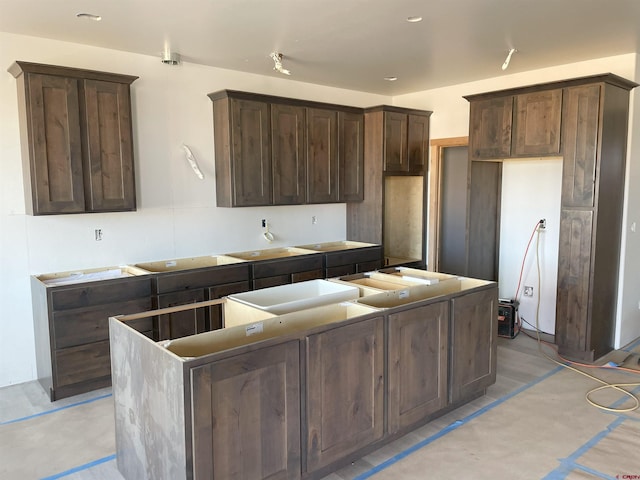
{"x":580,"y":140}
{"x":473,"y":331}
{"x":351,"y":139}
{"x":181,"y":324}
{"x":250,"y":153}
{"x":574,"y":272}
{"x":418,"y":343}
{"x":288,"y":160}
{"x":322,"y":156}
{"x":483,"y":220}
{"x":536,"y":123}
{"x":55,"y":146}
{"x":490,"y":128}
{"x":246,"y":416}
{"x":418,"y":143}
{"x":345,"y":391}
{"x":395,"y":142}
{"x":109,"y":147}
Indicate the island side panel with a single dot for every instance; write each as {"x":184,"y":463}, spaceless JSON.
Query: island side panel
{"x":148,"y":394}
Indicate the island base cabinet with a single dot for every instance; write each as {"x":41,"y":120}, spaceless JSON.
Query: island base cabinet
{"x":345,"y":391}
{"x":246,"y":416}
{"x":418,"y":346}
{"x":473,"y":344}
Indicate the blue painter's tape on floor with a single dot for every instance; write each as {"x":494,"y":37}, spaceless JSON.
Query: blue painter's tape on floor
{"x":47,"y":412}
{"x":570,"y":462}
{"x":81,"y":467}
{"x":454,"y":426}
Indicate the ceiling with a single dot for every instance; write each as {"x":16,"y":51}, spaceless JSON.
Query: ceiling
{"x":350,"y":44}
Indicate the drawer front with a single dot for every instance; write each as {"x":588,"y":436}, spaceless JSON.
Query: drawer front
{"x":271,"y":281}
{"x":369,"y":266}
{"x":81,"y":326}
{"x":202,"y":278}
{"x":287,"y":266}
{"x":100,"y":293}
{"x":82,"y":363}
{"x":304,"y":276}
{"x":341,"y":270}
{"x":345,"y":257}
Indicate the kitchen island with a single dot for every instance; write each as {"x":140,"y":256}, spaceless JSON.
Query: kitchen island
{"x":300,"y":394}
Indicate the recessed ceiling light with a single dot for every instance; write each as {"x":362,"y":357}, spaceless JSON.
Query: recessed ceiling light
{"x":414,"y":19}
{"x":89,"y":16}
{"x":390,"y":79}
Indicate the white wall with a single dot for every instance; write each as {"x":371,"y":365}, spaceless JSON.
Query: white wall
{"x":176,"y":215}
{"x":524,"y":203}
{"x":451,"y":119}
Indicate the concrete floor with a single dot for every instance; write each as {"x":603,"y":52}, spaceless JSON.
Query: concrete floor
{"x":533,"y":423}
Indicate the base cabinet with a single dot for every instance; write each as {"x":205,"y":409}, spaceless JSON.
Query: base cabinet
{"x":247,"y":412}
{"x":71,"y":330}
{"x":345,"y":391}
{"x":312,"y":393}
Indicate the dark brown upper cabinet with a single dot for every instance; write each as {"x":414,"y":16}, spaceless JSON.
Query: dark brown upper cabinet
{"x":322,"y":155}
{"x":282,"y":151}
{"x":288,"y":154}
{"x":243,"y":152}
{"x":406,"y":142}
{"x":508,"y":126}
{"x":490,"y":128}
{"x":536,"y":123}
{"x":76,"y":135}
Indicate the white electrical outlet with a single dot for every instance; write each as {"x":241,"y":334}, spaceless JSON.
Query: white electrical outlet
{"x":98,"y":234}
{"x":528,"y":291}
{"x":314,"y":220}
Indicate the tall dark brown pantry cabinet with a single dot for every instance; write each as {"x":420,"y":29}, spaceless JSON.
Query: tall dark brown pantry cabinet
{"x":77,"y":140}
{"x":584,"y":120}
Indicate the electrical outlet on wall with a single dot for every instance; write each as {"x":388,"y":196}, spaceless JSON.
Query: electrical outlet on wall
{"x":528,"y":291}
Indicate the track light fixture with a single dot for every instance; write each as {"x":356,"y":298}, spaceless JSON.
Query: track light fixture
{"x":277,"y":60}
{"x":508,"y":59}
{"x":170,"y":58}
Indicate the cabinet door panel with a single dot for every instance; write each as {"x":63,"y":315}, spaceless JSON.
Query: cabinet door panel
{"x":574,"y":270}
{"x":55,"y":144}
{"x":490,"y":128}
{"x":287,"y":140}
{"x":580,"y":140}
{"x":246,"y":416}
{"x":345,"y":391}
{"x":418,"y":143}
{"x":322,"y":156}
{"x":181,"y":324}
{"x":418,"y":343}
{"x":250,"y":153}
{"x":395,"y":142}
{"x":351,"y":131}
{"x":109,"y":147}
{"x":536,"y":129}
{"x":473,"y":331}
